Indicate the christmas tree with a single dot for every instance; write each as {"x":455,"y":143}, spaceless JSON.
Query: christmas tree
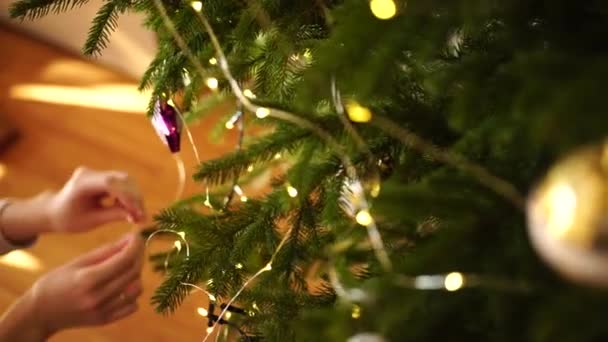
{"x":405,"y":139}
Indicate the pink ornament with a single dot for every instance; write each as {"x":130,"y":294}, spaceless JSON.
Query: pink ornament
{"x":167,"y":124}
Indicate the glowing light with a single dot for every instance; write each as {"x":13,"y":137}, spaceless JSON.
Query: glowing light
{"x":238,"y":266}
{"x":562,"y":209}
{"x":255,"y":306}
{"x":358,"y":113}
{"x":212,"y":83}
{"x":227,"y":315}
{"x":229,"y":124}
{"x":453,"y":281}
{"x":356,"y":312}
{"x":111,"y":96}
{"x":293,"y":192}
{"x":197,"y":5}
{"x":268,"y":267}
{"x":212,"y":298}
{"x":212,"y":61}
{"x":209,"y":330}
{"x":202,"y":311}
{"x":248,"y":93}
{"x":364,"y":218}
{"x":178,"y":245}
{"x":186,"y":77}
{"x":182,"y":234}
{"x":207,"y":203}
{"x":250,"y":168}
{"x":21,"y":260}
{"x":375,"y":189}
{"x":262,"y":112}
{"x":209,"y":282}
{"x":244,"y":198}
{"x":383,"y":9}
{"x":277,"y":156}
{"x":238,"y":190}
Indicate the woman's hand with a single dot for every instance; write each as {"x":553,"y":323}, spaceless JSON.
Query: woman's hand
{"x":80,"y":206}
{"x":95,"y":289}
{"x":89,"y":199}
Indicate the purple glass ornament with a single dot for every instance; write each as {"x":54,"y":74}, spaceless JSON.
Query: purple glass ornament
{"x":167,"y":124}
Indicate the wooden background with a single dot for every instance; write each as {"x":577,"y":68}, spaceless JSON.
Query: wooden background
{"x":57,"y":137}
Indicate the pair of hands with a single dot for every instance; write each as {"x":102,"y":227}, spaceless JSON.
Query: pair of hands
{"x":97,"y":288}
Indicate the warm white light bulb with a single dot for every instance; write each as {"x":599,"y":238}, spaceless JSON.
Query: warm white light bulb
{"x":277,"y":156}
{"x":227,"y":315}
{"x":202,"y":312}
{"x":268,"y":267}
{"x":383,"y":9}
{"x":262,"y":112}
{"x":182,"y":234}
{"x":250,"y":168}
{"x":248,"y":93}
{"x":244,"y":198}
{"x":209,"y":330}
{"x":364,"y":218}
{"x":212,"y":61}
{"x":356,"y":312}
{"x":229,"y":124}
{"x":357,"y":112}
{"x":178,"y":245}
{"x":453,"y":281}
{"x":238,"y":266}
{"x":212,"y":83}
{"x":197,"y":5}
{"x":293,"y":192}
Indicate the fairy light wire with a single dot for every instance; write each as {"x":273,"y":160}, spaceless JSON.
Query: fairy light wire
{"x":491,"y":181}
{"x":373,"y":233}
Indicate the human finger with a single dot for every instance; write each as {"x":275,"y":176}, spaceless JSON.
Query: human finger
{"x":129,"y":294}
{"x":120,"y":262}
{"x":102,"y":253}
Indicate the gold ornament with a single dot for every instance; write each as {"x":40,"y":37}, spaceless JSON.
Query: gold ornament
{"x":568,"y":216}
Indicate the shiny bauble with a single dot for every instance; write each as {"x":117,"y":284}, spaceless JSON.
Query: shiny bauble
{"x":568,"y":216}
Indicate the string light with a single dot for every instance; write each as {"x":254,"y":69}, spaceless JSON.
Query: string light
{"x":277,"y":156}
{"x":212,"y":298}
{"x":356,"y":312}
{"x":182,"y":234}
{"x":248,"y":93}
{"x":262,"y":112}
{"x":197,"y":5}
{"x":250,"y":168}
{"x":212,"y":61}
{"x":228,"y":315}
{"x":454,"y":281}
{"x":358,"y":113}
{"x":178,"y":245}
{"x":238,"y":266}
{"x":255,"y":306}
{"x":293,"y":192}
{"x":383,"y":9}
{"x":202,"y":311}
{"x":212,"y":83}
{"x":186,"y":77}
{"x":364,"y":218}
{"x":268,"y":267}
{"x":233,"y":119}
{"x":210,"y":329}
{"x":375,"y":189}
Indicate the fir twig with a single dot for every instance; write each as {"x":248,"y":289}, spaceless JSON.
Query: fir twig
{"x":34,"y":9}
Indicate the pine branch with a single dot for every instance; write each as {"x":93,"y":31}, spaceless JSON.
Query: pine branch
{"x":104,"y":23}
{"x":34,"y":9}
{"x":222,"y":170}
